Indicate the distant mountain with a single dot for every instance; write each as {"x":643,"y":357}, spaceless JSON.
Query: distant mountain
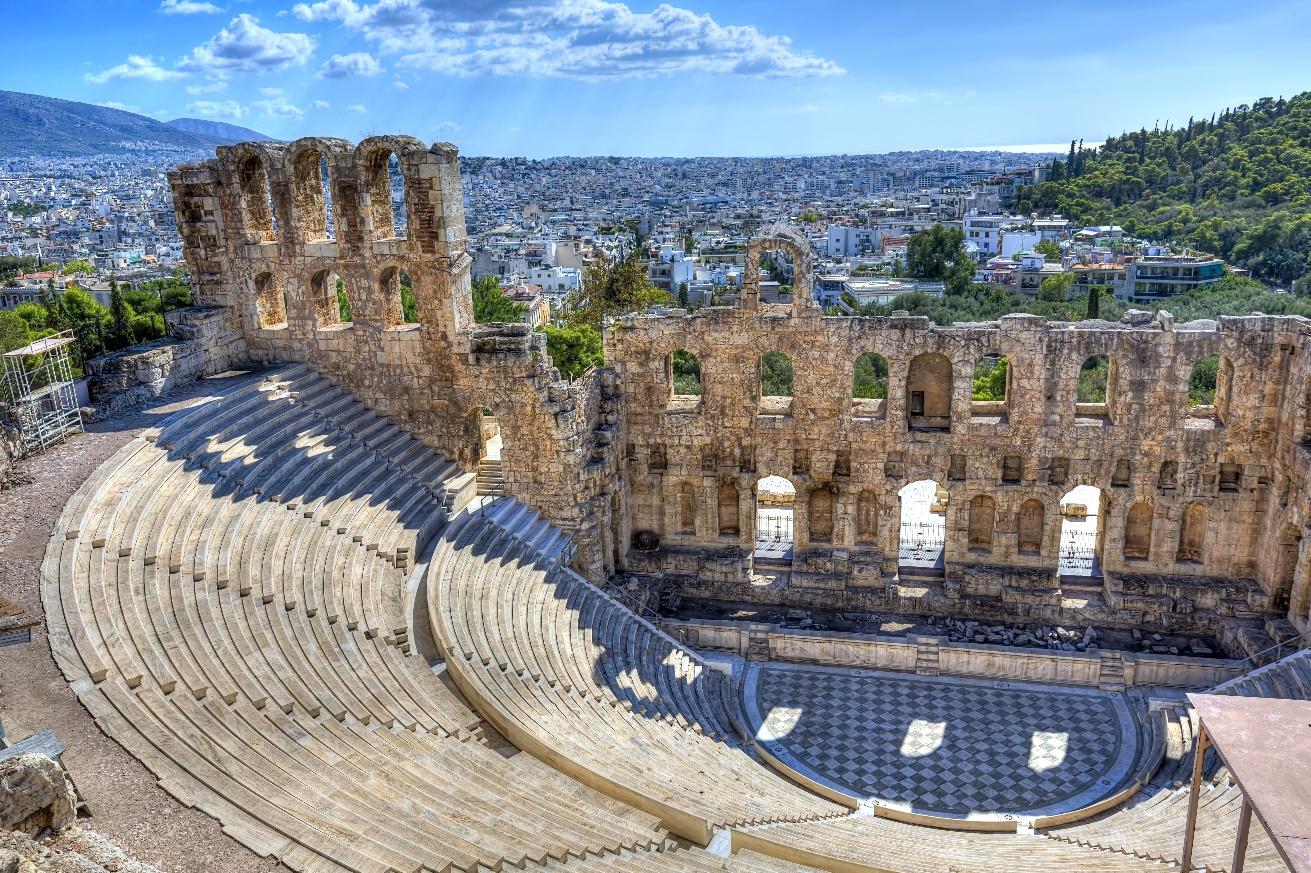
{"x":32,"y":125}
{"x":218,"y":131}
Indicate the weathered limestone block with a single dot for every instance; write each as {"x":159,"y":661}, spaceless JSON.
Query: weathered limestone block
{"x":35,"y":795}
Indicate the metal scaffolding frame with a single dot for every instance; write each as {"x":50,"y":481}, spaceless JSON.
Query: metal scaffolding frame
{"x":39,"y":381}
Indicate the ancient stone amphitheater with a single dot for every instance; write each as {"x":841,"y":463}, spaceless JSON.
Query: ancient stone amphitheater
{"x":294,"y":607}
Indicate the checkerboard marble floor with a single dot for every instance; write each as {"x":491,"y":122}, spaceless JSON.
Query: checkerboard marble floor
{"x":944,"y":745}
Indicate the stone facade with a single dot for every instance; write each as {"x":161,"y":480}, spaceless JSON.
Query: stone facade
{"x":260,"y":245}
{"x":1203,"y":512}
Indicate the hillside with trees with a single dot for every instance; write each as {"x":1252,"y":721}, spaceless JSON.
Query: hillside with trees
{"x":1236,"y":185}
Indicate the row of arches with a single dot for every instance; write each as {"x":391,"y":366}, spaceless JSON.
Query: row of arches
{"x":930,"y":384}
{"x":923,"y":513}
{"x":332,"y":303}
{"x":384,"y":196}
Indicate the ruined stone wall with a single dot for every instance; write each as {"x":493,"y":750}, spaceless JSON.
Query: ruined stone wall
{"x":1143,"y":447}
{"x":201,"y":343}
{"x":265,"y":243}
{"x":1203,"y":516}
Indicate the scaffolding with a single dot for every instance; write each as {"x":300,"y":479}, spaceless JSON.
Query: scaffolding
{"x":39,"y":382}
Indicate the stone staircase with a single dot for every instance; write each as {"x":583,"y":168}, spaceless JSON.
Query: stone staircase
{"x":491,"y":478}
{"x":1111,"y":676}
{"x":926,"y":656}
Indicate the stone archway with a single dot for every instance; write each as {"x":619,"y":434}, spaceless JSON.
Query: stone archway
{"x":1081,"y":532}
{"x":776,"y":499}
{"x":923,"y":534}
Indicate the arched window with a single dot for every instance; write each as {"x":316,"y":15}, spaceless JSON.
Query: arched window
{"x":386,"y":189}
{"x":332,"y":305}
{"x":729,"y":522}
{"x":1138,"y":532}
{"x":1093,"y":392}
{"x":983,"y":513}
{"x":256,"y":202}
{"x":270,"y":301}
{"x":928,"y":392}
{"x":686,"y":508}
{"x":869,"y":386}
{"x":684,"y":374}
{"x":775,"y":375}
{"x":1030,"y":527}
{"x":1192,"y":533}
{"x":821,"y":515}
{"x":398,"y":304}
{"x":312,"y":196}
{"x":867,"y":517}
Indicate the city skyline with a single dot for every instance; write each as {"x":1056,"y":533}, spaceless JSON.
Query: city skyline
{"x":701,"y":78}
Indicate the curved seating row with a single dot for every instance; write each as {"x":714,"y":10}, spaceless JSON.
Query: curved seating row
{"x":225,"y":595}
{"x":1288,"y":678}
{"x":572,"y":676}
{"x":864,"y":842}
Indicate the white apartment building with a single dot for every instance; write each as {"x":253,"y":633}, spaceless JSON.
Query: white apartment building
{"x":985,"y":232}
{"x":846,"y":242}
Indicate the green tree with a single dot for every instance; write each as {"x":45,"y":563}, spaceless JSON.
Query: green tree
{"x":1094,"y":310}
{"x":870,"y":377}
{"x":939,"y":253}
{"x":13,"y":331}
{"x":990,"y":378}
{"x":1049,"y":249}
{"x":682,"y":295}
{"x":808,"y":216}
{"x":612,"y":287}
{"x":574,"y":348}
{"x":1202,"y":381}
{"x":344,"y":314}
{"x":491,"y":305}
{"x":775,"y":375}
{"x":34,"y":315}
{"x":78,"y":267}
{"x":120,"y":314}
{"x":409,"y":306}
{"x":687,"y":374}
{"x":1054,"y":289}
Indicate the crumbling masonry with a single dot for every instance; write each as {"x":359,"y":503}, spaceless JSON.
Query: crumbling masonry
{"x":1204,"y":511}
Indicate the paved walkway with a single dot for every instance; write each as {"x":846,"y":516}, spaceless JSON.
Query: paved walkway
{"x":947,"y":746}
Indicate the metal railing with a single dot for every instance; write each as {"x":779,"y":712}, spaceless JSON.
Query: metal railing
{"x":921,"y":543}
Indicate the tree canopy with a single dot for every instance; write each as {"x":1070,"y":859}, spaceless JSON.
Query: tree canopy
{"x":490,"y":303}
{"x":1236,"y":185}
{"x":573,"y":348}
{"x":939,"y":253}
{"x":612,"y":286}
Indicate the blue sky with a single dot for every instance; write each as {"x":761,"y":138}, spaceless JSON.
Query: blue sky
{"x":690,"y":77}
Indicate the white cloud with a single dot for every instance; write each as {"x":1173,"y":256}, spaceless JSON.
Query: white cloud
{"x":218,"y":108}
{"x":135,"y":67}
{"x":930,"y":96}
{"x":448,"y":127}
{"x":357,"y":107}
{"x":400,"y":85}
{"x":582,"y":39}
{"x":321,"y":104}
{"x":188,"y":7}
{"x":244,"y":46}
{"x":353,"y":64}
{"x":278,"y":107}
{"x":271,"y":92}
{"x":207,"y":88}
{"x":125,"y":107}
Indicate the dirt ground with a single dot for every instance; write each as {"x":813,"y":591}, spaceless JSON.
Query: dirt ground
{"x":126,"y":804}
